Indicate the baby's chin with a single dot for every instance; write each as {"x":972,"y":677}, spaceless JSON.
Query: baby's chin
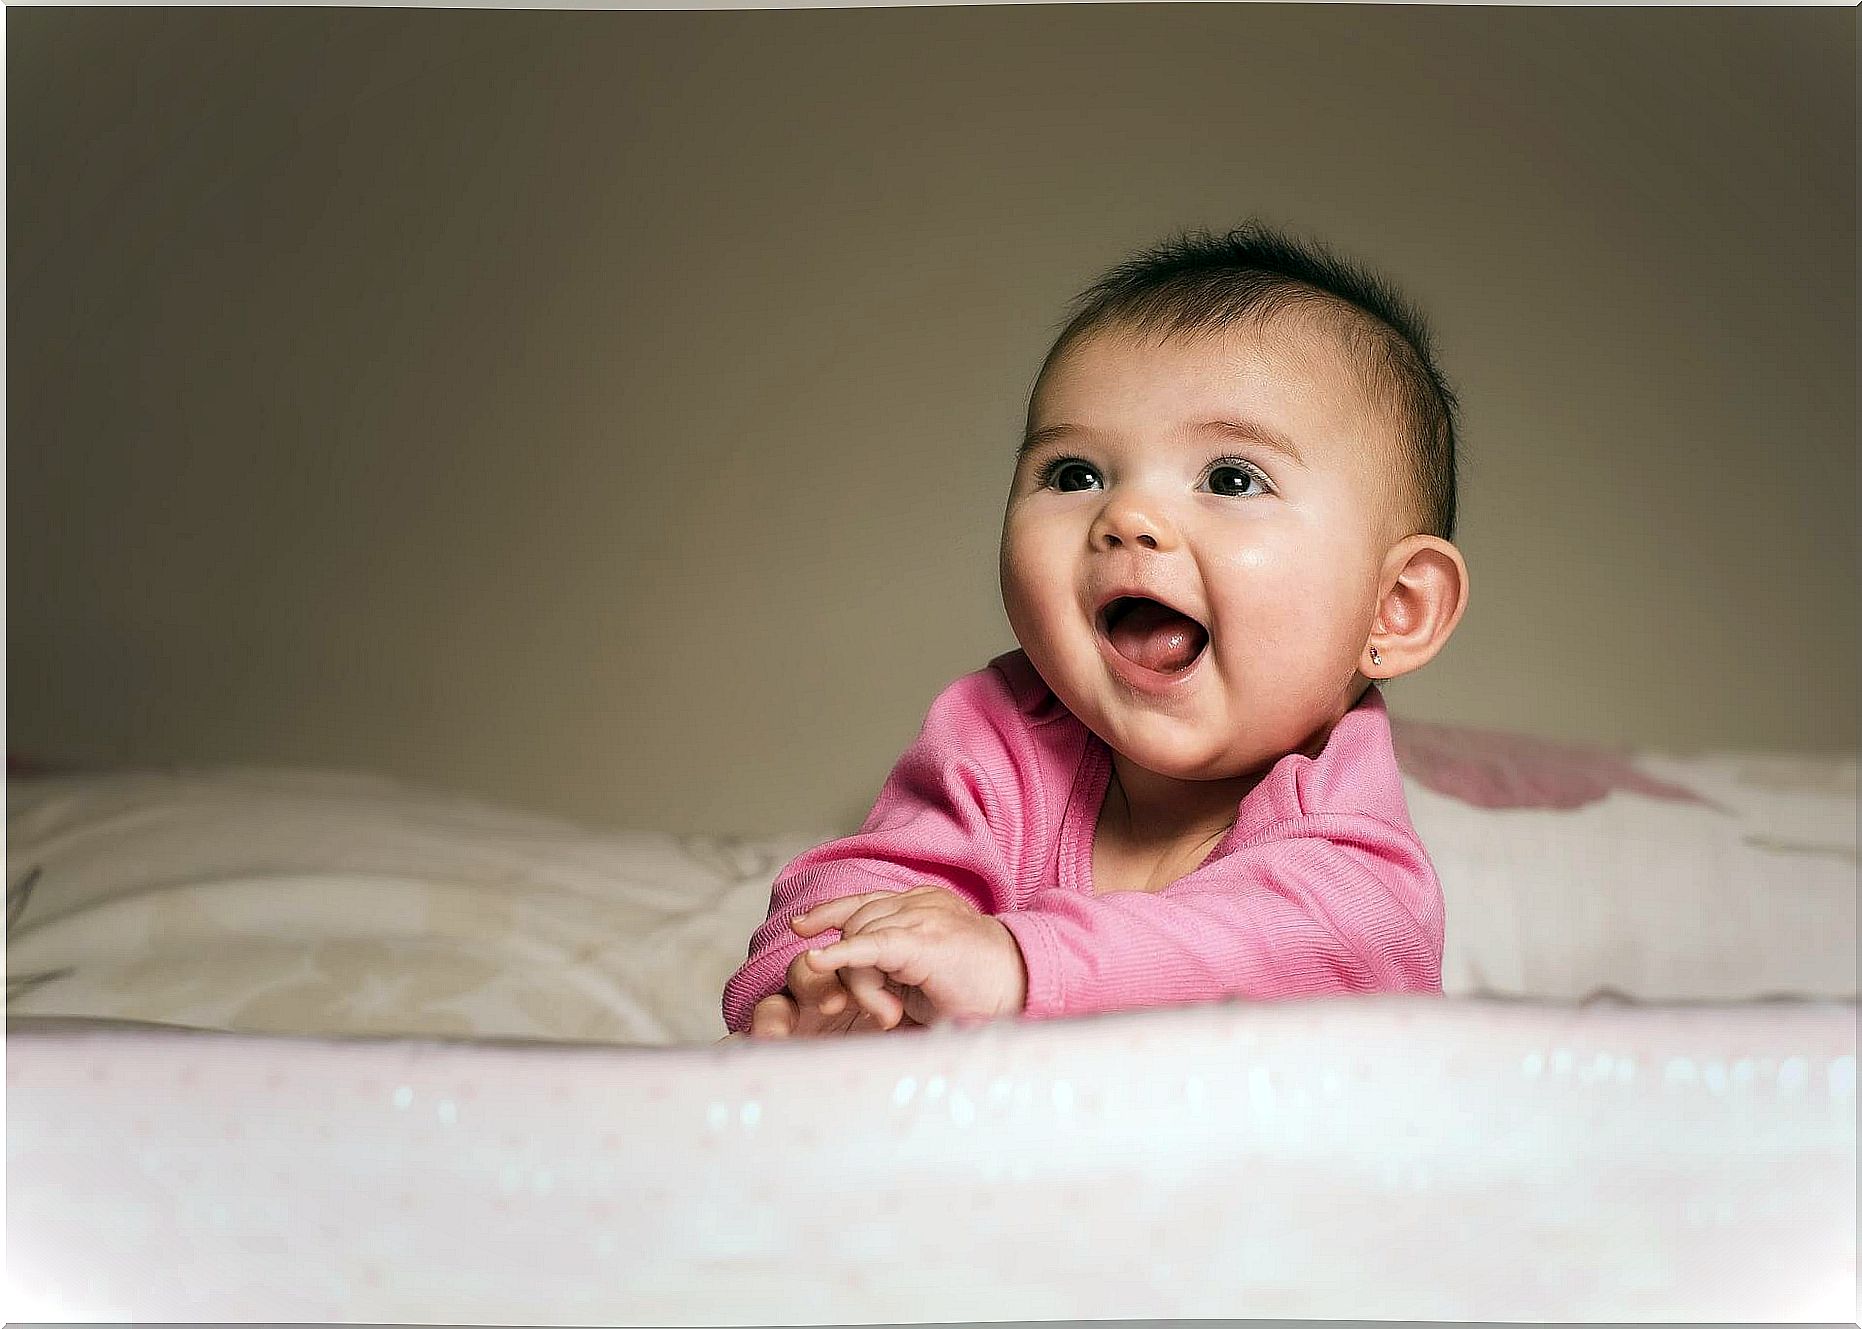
{"x":1177,"y":755}
{"x":1190,"y":770}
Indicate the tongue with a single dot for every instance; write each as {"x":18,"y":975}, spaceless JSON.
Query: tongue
{"x":1156,"y":637}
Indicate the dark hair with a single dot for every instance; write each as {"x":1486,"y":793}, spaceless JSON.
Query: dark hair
{"x":1198,"y":282}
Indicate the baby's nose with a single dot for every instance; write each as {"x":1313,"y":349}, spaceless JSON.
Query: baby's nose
{"x":1143,"y":538}
{"x":1134,"y":525}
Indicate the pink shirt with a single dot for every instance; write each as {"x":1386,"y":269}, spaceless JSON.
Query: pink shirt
{"x":1320,"y":887}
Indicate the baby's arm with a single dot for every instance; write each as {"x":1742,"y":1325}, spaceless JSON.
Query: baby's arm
{"x":1355,"y":910}
{"x":929,"y":827}
{"x":1337,"y":904}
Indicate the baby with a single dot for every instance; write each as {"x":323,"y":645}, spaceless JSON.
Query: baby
{"x":1230,"y":519}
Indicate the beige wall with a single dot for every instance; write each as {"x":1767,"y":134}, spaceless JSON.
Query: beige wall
{"x":609,"y":412}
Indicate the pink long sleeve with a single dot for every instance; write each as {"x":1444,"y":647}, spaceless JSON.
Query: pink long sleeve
{"x":929,"y":826}
{"x":1321,"y":886}
{"x":1331,"y":904}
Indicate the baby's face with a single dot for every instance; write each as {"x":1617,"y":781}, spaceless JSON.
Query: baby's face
{"x":1155,"y":473}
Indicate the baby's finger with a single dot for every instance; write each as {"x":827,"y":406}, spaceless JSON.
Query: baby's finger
{"x":774,"y":1017}
{"x":814,"y":989}
{"x":868,"y":987}
{"x":830,"y":913}
{"x":825,"y":994}
{"x":873,"y":912}
{"x":833,"y":1000}
{"x":890,"y":949}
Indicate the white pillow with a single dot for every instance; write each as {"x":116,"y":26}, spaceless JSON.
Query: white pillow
{"x":273,"y":901}
{"x":1570,"y":870}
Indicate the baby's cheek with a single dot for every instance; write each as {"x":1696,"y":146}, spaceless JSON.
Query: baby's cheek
{"x":1036,"y":609}
{"x":1268,"y":578}
{"x":1028,"y":579}
{"x":1295,"y":602}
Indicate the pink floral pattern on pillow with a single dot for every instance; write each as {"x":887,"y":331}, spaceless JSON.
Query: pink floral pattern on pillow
{"x":1488,"y":769}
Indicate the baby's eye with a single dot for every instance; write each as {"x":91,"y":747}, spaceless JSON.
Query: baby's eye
{"x":1068,"y":474}
{"x":1231,"y":479}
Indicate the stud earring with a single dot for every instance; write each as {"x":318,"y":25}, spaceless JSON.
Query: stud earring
{"x":1375,"y":658}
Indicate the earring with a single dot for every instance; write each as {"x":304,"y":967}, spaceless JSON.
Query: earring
{"x":1375,"y":658}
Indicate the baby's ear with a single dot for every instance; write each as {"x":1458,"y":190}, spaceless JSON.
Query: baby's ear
{"x":1424,"y":589}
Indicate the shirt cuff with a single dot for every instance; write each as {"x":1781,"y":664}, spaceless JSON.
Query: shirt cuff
{"x":765,"y":976}
{"x":1040,"y":957}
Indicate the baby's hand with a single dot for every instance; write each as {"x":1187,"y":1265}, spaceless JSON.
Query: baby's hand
{"x":953,"y":962}
{"x":816,"y":1003}
{"x":778,"y":1016}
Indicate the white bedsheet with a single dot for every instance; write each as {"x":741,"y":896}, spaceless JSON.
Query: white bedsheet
{"x":1393,"y":1158}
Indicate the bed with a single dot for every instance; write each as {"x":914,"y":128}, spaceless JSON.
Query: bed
{"x":321,"y":1046}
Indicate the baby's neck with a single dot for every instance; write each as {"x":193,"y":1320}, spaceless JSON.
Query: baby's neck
{"x":1145,"y":808}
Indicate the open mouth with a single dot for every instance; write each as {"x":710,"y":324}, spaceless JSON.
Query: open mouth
{"x":1151,"y":634}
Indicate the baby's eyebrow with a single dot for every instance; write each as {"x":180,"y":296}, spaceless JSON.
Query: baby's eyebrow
{"x":1271,"y":439}
{"x":1046,"y":434}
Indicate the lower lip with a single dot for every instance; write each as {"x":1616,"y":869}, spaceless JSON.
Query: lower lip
{"x":1148,"y":680}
